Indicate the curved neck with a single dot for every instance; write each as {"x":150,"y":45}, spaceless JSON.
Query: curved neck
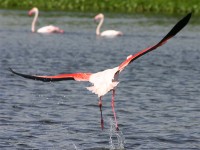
{"x":99,"y":26}
{"x":34,"y":21}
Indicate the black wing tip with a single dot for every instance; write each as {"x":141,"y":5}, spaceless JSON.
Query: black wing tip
{"x":11,"y":70}
{"x":187,"y":17}
{"x":189,"y":14}
{"x":23,"y":75}
{"x":177,"y":27}
{"x":39,"y":78}
{"x":181,"y":24}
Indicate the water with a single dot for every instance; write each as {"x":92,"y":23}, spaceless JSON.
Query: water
{"x":157,"y":100}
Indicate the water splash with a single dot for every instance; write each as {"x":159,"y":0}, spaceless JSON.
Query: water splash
{"x":76,"y":148}
{"x":71,"y":146}
{"x":117,"y":140}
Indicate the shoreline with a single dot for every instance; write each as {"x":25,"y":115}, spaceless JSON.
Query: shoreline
{"x":171,"y":7}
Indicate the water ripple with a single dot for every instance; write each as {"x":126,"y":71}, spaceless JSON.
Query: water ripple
{"x":157,"y":100}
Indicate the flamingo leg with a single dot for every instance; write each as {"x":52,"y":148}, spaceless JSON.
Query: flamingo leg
{"x":113,"y":109}
{"x":100,"y":107}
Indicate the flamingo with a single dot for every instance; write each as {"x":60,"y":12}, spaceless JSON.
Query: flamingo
{"x":46,"y":29}
{"x":107,"y":33}
{"x":107,"y":80}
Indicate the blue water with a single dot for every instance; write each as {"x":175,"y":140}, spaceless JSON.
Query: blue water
{"x":157,"y":101}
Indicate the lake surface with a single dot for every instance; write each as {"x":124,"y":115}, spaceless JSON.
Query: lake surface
{"x":157,"y":101}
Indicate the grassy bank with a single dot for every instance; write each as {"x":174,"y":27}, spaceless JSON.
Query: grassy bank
{"x":120,"y":6}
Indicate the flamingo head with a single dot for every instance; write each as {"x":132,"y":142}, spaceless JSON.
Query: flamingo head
{"x":32,"y":11}
{"x":99,"y":17}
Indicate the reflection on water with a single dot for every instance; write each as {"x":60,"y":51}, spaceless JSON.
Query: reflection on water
{"x":157,"y":100}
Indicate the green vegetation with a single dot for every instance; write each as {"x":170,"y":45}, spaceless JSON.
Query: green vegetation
{"x":120,"y":6}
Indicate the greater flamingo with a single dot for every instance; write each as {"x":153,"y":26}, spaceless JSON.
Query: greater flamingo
{"x":107,"y":80}
{"x":107,"y":33}
{"x":46,"y":29}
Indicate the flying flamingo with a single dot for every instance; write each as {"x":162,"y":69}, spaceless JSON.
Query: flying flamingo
{"x":107,"y":80}
{"x":46,"y":29}
{"x":107,"y":33}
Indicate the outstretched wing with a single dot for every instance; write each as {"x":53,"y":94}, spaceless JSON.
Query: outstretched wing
{"x":59,"y":77}
{"x":182,"y":23}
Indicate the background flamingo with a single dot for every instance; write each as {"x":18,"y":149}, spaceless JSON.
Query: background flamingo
{"x":46,"y":29}
{"x":107,"y":80}
{"x":107,"y":33}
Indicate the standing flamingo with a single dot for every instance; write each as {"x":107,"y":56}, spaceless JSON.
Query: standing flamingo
{"x":107,"y":33}
{"x":107,"y":80}
{"x":46,"y":29}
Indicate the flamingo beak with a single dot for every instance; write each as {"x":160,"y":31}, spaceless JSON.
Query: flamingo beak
{"x":30,"y":13}
{"x":96,"y":20}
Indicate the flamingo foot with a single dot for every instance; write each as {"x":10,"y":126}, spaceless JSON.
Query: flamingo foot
{"x":117,"y":128}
